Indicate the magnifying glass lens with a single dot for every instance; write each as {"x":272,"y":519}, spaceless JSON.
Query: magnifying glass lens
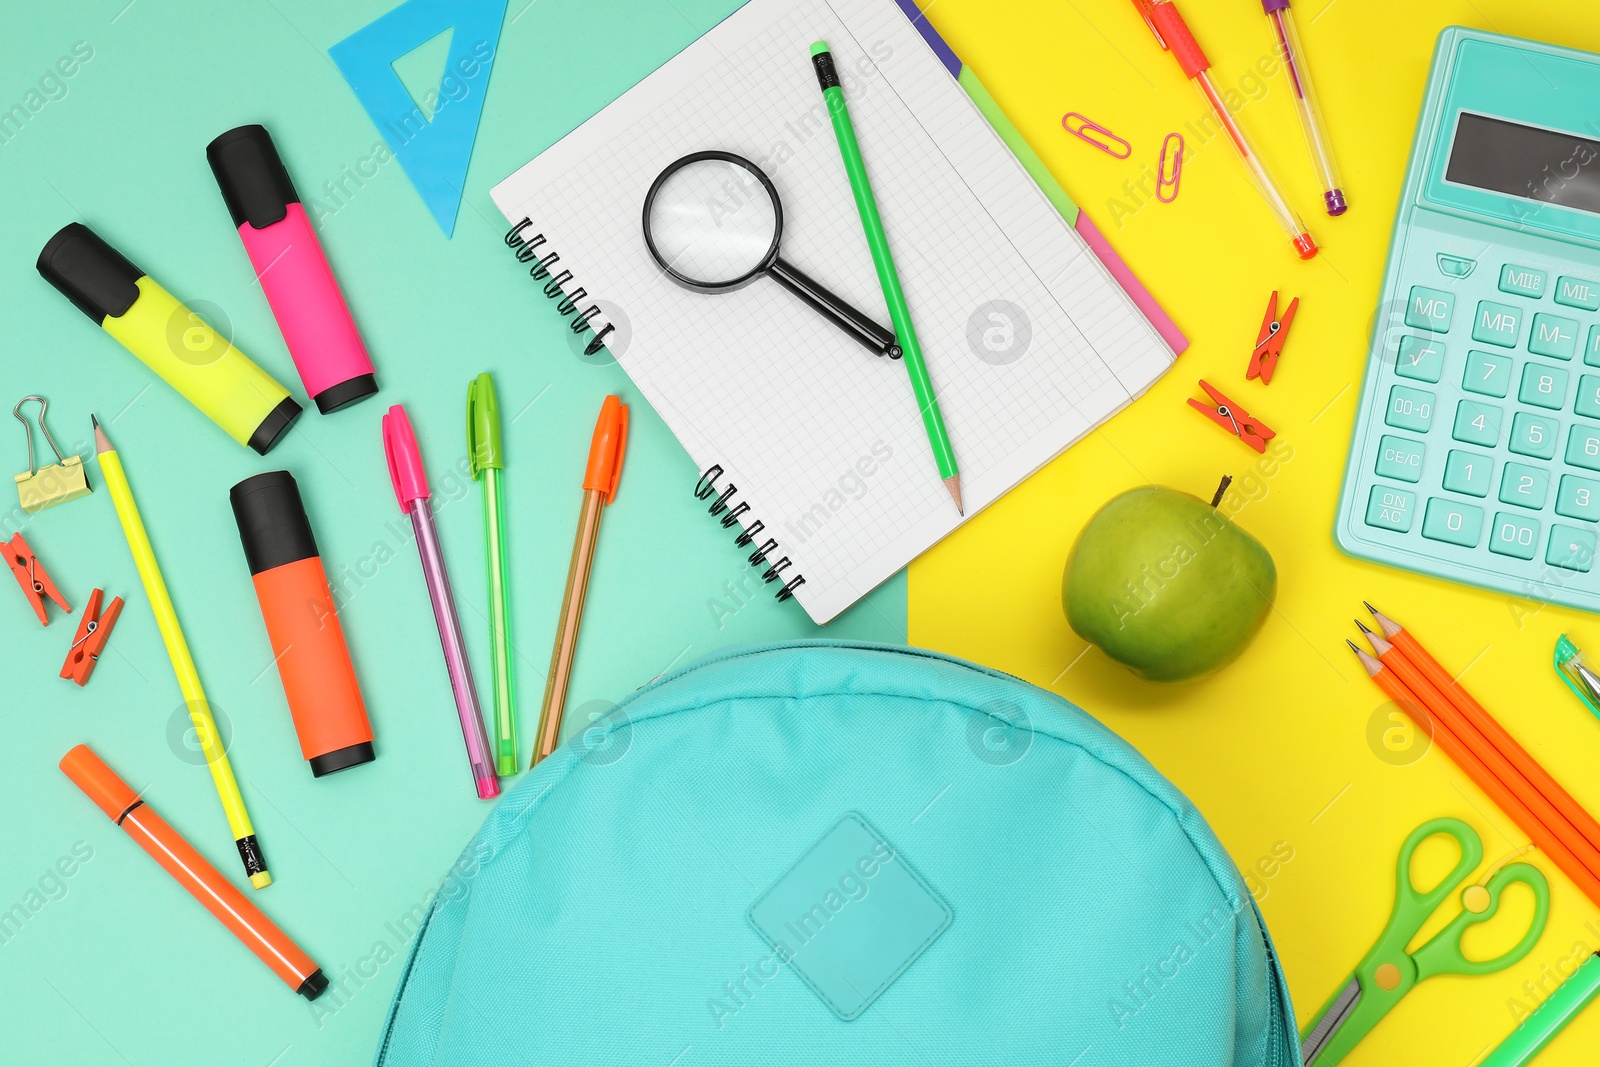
{"x":713,"y":222}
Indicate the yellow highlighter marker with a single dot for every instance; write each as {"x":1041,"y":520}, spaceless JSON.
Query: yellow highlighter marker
{"x":155,"y":588}
{"x":187,"y":354}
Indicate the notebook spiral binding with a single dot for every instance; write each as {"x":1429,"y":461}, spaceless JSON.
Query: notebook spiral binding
{"x":730,"y":512}
{"x":528,"y":249}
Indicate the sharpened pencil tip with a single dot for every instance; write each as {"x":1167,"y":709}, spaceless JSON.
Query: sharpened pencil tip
{"x":102,"y":443}
{"x":1362,"y":628}
{"x":953,"y":483}
{"x":1353,"y":647}
{"x":1368,"y":605}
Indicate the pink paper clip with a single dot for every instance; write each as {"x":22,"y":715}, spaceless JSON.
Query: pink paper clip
{"x":1082,"y":129}
{"x":1170,"y":170}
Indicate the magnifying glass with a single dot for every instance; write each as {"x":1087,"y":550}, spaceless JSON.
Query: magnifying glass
{"x":712,"y":222}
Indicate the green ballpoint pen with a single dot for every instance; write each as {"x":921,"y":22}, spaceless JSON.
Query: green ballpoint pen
{"x":844,"y":130}
{"x":486,"y":459}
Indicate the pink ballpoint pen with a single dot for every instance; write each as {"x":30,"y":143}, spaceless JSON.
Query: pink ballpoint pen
{"x":1305,"y":99}
{"x":411,"y":488}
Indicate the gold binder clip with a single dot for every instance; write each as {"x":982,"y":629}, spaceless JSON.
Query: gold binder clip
{"x":61,"y":481}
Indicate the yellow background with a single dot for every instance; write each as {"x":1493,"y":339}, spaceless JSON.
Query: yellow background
{"x":1275,"y":748}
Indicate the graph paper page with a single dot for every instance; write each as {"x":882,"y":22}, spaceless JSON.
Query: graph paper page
{"x":1029,"y":341}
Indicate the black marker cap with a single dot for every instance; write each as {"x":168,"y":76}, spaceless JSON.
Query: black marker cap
{"x":314,"y":986}
{"x":255,"y":185}
{"x":89,"y":272}
{"x":340,"y":758}
{"x":274,"y":426}
{"x":272,"y":521}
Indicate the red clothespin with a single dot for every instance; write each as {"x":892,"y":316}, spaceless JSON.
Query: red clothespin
{"x":1233,"y":418}
{"x":32,"y":576}
{"x":1270,"y":342}
{"x":94,"y":630}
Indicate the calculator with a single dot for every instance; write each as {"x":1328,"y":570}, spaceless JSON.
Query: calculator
{"x":1476,"y":452}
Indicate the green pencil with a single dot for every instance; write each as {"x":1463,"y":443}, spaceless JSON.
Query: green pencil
{"x":878,"y":241}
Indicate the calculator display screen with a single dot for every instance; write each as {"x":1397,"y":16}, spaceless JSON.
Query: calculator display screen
{"x":1526,"y":161}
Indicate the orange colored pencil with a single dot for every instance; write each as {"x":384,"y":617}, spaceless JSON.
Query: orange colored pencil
{"x":1487,"y":754}
{"x":1474,"y":712}
{"x":1507,"y":801}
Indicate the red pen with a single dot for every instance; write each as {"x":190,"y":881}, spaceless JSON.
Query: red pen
{"x":1173,"y":34}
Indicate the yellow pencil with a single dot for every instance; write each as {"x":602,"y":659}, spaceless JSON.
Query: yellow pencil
{"x":205,"y":727}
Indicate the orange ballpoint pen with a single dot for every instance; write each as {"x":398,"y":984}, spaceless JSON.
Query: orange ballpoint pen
{"x":599,"y":489}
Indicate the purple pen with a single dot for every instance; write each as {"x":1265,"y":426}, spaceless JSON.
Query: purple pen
{"x":1293,"y":53}
{"x":411,"y":489}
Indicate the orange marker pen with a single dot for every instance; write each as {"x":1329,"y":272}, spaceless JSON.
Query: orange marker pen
{"x":203,"y":881}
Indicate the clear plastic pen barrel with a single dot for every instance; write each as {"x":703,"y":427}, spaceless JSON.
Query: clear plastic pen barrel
{"x":1292,"y":54}
{"x":1303,"y":242}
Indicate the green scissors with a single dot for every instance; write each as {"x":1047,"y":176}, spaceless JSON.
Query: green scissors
{"x":1389,"y":972}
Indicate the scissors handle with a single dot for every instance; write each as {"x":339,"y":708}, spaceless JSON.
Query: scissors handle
{"x":1387,"y":972}
{"x":1443,"y":954}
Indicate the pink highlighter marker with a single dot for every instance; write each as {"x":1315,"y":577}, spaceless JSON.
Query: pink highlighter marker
{"x":293,"y":272}
{"x":411,"y":489}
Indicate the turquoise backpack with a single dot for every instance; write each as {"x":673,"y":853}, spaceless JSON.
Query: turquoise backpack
{"x":828,"y":853}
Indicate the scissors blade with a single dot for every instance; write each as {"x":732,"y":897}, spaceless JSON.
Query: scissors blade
{"x":1337,"y":1013}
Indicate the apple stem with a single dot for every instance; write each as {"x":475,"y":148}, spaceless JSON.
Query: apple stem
{"x":1227,"y":480}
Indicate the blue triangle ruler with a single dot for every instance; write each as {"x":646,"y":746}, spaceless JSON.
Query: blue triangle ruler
{"x":434,"y":153}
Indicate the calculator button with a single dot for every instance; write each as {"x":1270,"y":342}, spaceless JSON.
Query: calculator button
{"x":1533,"y":435}
{"x":1401,"y":459}
{"x":1522,"y":281}
{"x":1514,"y":536}
{"x":1420,"y":359}
{"x":1588,"y":397}
{"x":1412,"y":409}
{"x":1391,"y":509}
{"x":1487,"y":374}
{"x":1468,"y":473}
{"x":1591,"y":354}
{"x":1430,"y":309}
{"x":1477,"y":424}
{"x":1543,"y":386}
{"x":1578,"y":498}
{"x":1578,"y":293}
{"x":1570,"y":548}
{"x":1524,"y":486}
{"x":1553,"y":336}
{"x":1583,"y":447}
{"x":1496,"y":324}
{"x":1452,"y":523}
{"x":1455,"y":266}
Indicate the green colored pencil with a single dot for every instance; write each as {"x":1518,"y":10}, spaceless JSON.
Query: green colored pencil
{"x":944,"y":453}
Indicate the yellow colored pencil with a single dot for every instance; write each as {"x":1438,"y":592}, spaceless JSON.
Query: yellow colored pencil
{"x":205,"y":727}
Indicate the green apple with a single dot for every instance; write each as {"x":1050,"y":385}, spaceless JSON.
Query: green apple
{"x":1167,"y":585}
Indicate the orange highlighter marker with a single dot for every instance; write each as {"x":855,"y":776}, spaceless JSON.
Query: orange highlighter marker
{"x":203,"y":881}
{"x":606,"y":449}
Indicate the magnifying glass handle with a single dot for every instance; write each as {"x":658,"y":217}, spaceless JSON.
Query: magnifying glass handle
{"x":879,"y":340}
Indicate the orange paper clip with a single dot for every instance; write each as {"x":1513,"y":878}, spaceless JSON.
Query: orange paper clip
{"x":1233,"y":418}
{"x":1270,"y":341}
{"x":1082,"y":128}
{"x":94,"y":630}
{"x":1169,"y":172}
{"x":32,"y":576}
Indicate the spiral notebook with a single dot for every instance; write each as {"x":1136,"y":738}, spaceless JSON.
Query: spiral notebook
{"x":814,"y":453}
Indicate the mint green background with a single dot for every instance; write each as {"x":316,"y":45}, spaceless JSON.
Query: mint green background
{"x":114,"y":964}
